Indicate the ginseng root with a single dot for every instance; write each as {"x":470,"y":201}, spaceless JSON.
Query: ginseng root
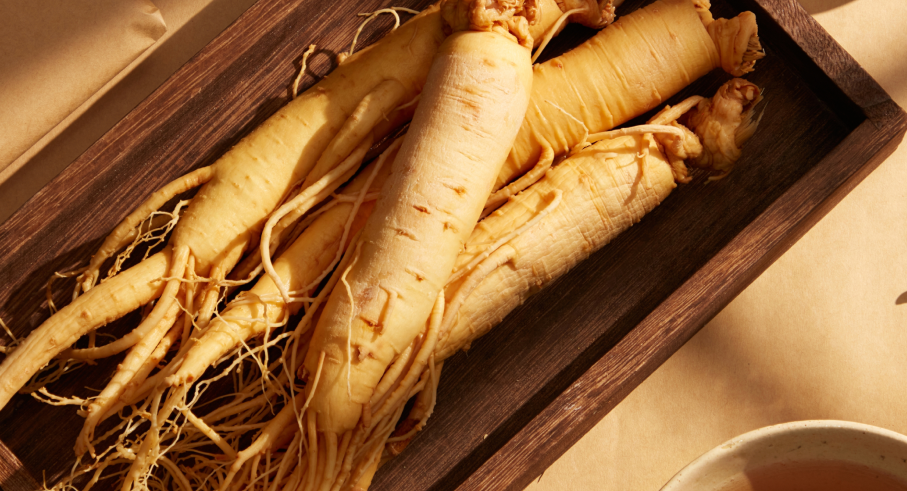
{"x":315,"y":130}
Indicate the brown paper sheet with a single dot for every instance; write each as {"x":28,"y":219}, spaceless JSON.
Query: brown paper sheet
{"x":822,"y":334}
{"x":191,"y":25}
{"x":54,"y":55}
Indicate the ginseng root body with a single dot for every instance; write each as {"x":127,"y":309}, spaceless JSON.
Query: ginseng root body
{"x":364,"y":99}
{"x":388,"y":315}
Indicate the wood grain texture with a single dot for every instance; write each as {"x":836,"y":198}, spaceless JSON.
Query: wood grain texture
{"x":13,"y":474}
{"x":528,"y":390}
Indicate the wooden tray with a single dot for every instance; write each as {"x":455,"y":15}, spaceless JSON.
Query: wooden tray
{"x":557,"y":365}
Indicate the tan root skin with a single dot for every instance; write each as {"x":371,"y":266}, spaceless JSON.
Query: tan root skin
{"x":303,"y":261}
{"x":258,"y":173}
{"x":626,"y":69}
{"x":602,"y":196}
{"x":723,"y":123}
{"x":606,"y":189}
{"x":108,"y":301}
{"x":423,"y":218}
{"x":507,"y":17}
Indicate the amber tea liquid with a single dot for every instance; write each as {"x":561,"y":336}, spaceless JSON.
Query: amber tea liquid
{"x":814,"y":476}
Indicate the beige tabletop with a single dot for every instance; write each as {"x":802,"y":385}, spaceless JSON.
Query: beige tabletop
{"x":820,"y":335}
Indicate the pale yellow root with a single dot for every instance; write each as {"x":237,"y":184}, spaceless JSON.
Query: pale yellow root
{"x":49,"y":293}
{"x":177,"y":474}
{"x":346,"y":464}
{"x":312,"y":450}
{"x":303,"y":202}
{"x":290,"y":212}
{"x":285,"y":465}
{"x":463,"y":270}
{"x":306,"y":263}
{"x":330,"y":461}
{"x":210,"y":295}
{"x":173,"y":335}
{"x":626,"y":69}
{"x":724,"y":123}
{"x":325,"y":453}
{"x":410,"y":241}
{"x":604,"y":193}
{"x":259,"y":169}
{"x":421,"y":411}
{"x":374,"y":106}
{"x":517,"y":224}
{"x":305,"y":59}
{"x":148,"y":449}
{"x":670,"y":114}
{"x":275,"y":427}
{"x":151,"y":322}
{"x":126,"y":372}
{"x":426,"y":351}
{"x":251,"y":266}
{"x":373,"y":448}
{"x":335,"y":462}
{"x":391,"y":378}
{"x":125,"y":231}
{"x":366,"y":480}
{"x":341,"y":455}
{"x":206,"y":430}
{"x":189,"y":308}
{"x":528,"y":179}
{"x":368,"y":18}
{"x":105,"y":303}
{"x":553,"y":31}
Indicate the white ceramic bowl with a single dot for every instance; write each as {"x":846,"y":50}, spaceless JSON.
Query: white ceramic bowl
{"x":801,"y":456}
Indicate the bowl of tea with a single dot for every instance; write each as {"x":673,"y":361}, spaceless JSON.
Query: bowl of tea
{"x":801,"y":456}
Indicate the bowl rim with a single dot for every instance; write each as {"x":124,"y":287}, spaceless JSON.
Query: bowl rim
{"x":757,"y":440}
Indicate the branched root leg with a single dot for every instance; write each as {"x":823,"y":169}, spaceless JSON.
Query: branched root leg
{"x":161,"y":319}
{"x":358,"y":126}
{"x":125,"y":231}
{"x":528,"y":179}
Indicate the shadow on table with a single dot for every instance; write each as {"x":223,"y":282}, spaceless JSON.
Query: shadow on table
{"x":818,"y":6}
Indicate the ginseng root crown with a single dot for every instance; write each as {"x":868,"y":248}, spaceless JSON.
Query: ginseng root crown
{"x":724,"y":123}
{"x":508,"y":17}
